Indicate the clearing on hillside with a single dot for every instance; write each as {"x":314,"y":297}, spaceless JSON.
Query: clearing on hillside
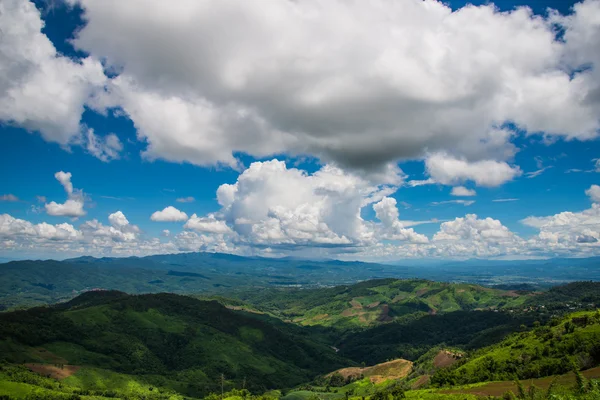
{"x":445,"y":359}
{"x":395,"y":369}
{"x":53,"y":371}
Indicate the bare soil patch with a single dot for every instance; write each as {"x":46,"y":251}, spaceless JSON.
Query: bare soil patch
{"x":445,"y":359}
{"x":53,"y":371}
{"x":421,"y":381}
{"x":395,"y":369}
{"x":355,"y":303}
{"x":384,"y":316}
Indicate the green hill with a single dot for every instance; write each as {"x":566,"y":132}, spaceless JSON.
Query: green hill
{"x":372,"y":302}
{"x":186,"y":342}
{"x":572,"y":342}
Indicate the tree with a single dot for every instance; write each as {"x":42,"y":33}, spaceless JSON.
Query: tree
{"x":580,"y":381}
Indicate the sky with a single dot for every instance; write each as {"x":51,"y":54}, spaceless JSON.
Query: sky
{"x":373,"y":130}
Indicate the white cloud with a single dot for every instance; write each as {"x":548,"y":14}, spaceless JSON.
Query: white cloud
{"x":472,"y":228}
{"x":392,"y":228}
{"x":105,"y":148}
{"x":360,"y":84}
{"x":169,"y":214}
{"x":18,"y":228}
{"x":188,"y":199}
{"x":9,"y":197}
{"x":273,"y":205}
{"x":73,"y":207}
{"x":463,"y":202}
{"x":41,"y":199}
{"x":534,"y":174}
{"x":594,"y":193}
{"x":120,"y":230}
{"x":448,"y":170}
{"x":423,"y":182}
{"x":280,"y":210}
{"x":504,"y":200}
{"x":118,"y":220}
{"x":70,"y":208}
{"x":462,"y":191}
{"x":566,"y":232}
{"x":41,"y":90}
{"x":65,"y":180}
{"x":207,"y":224}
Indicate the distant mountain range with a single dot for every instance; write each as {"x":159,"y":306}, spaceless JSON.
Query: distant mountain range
{"x":28,"y":282}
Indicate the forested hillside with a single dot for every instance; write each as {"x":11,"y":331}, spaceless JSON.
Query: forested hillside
{"x":183,"y":340}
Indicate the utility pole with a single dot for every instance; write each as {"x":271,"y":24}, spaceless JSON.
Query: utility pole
{"x":222,"y":384}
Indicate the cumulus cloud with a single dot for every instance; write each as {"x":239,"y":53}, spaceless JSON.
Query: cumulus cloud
{"x":18,"y":228}
{"x":70,"y":208}
{"x":594,"y":193}
{"x":387,"y":80}
{"x":462,"y":191}
{"x":568,"y":232}
{"x":120,"y":230}
{"x":463,"y":237}
{"x":448,"y":170}
{"x":309,"y":219}
{"x":169,"y":214}
{"x":105,"y":148}
{"x":73,"y":207}
{"x":9,"y":197}
{"x":272,"y":205}
{"x":65,"y":180}
{"x":188,"y":199}
{"x":207,"y":224}
{"x":392,"y":228}
{"x":41,"y":90}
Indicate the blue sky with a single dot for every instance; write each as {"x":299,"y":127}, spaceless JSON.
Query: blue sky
{"x":534,"y":122}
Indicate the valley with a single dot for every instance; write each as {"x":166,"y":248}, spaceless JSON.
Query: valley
{"x":411,"y":338}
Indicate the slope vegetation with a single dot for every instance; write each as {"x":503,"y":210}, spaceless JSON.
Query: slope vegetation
{"x":572,"y":342}
{"x":376,"y":301}
{"x":181,"y":339}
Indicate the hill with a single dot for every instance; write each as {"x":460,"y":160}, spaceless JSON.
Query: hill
{"x":570,"y":343}
{"x":166,"y":340}
{"x":377,"y":301}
